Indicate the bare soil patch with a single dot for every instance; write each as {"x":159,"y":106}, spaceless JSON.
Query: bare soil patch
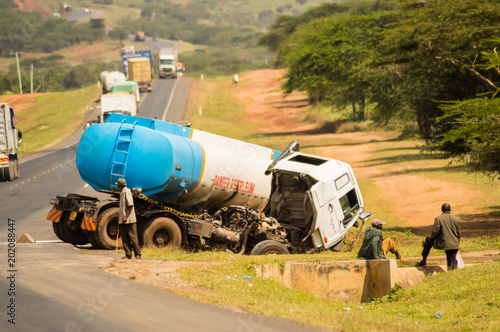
{"x":36,"y":5}
{"x":161,"y":274}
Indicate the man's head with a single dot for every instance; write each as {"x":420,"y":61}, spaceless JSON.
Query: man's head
{"x":377,"y":223}
{"x":446,"y":207}
{"x":121,"y":183}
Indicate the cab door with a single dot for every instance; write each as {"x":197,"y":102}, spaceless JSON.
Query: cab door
{"x":327,"y":215}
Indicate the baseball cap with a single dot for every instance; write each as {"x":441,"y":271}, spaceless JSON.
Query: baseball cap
{"x":121,"y":182}
{"x":377,"y":222}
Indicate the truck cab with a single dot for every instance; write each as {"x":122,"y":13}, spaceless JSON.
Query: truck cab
{"x":316,"y":199}
{"x":167,"y":63}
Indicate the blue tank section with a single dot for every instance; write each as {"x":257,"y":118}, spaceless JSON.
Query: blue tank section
{"x":152,"y":155}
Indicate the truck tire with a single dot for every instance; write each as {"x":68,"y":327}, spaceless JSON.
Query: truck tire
{"x":107,"y":229}
{"x":91,"y":238}
{"x":269,"y":247}
{"x":57,"y":232}
{"x":16,"y":169}
{"x":12,"y":172}
{"x":75,"y":237}
{"x":161,"y":233}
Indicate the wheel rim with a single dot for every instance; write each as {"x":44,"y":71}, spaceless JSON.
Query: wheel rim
{"x":273,"y":252}
{"x":161,"y":238}
{"x":112,"y":229}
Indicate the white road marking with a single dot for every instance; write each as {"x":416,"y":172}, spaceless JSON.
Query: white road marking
{"x":170,"y":99}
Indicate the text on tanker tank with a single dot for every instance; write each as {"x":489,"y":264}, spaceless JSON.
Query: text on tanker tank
{"x":228,"y":183}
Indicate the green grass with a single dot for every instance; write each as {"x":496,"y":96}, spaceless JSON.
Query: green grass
{"x":54,"y":118}
{"x":467,"y":299}
{"x":219,"y":110}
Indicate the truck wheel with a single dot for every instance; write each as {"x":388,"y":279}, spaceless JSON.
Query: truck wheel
{"x":269,"y":247}
{"x":16,"y":169}
{"x":11,"y":172}
{"x":75,"y":237}
{"x":107,"y":229}
{"x":57,"y":232}
{"x":91,"y":237}
{"x":161,"y":233}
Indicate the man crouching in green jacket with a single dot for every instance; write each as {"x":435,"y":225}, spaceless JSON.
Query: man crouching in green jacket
{"x":375,"y":246}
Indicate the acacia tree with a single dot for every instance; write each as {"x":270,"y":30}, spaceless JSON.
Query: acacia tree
{"x":472,"y":127}
{"x":430,"y":54}
{"x":328,"y":59}
{"x":285,"y":25}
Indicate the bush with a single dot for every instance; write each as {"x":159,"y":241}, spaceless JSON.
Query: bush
{"x":78,"y":77}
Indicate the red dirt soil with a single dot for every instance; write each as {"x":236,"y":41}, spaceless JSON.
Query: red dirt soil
{"x":34,"y":5}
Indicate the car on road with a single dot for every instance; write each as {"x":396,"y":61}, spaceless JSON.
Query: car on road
{"x":155,"y":38}
{"x":87,"y":10}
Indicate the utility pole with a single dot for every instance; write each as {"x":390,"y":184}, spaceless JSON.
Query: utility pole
{"x":32,"y":78}
{"x":19,"y":74}
{"x":43,"y":80}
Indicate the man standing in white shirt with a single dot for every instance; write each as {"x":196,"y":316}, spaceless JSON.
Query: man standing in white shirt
{"x":127,"y":221}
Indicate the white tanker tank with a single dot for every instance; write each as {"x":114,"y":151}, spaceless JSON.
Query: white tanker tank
{"x":169,"y":162}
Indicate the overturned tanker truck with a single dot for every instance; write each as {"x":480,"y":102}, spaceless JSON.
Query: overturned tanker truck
{"x":201,"y":191}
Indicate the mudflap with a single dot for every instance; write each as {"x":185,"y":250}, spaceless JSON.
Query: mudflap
{"x":54,"y":215}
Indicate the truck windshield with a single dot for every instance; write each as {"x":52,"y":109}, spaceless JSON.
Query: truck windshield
{"x":350,"y":206}
{"x":166,"y":62}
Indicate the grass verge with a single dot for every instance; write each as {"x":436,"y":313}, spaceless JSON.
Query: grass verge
{"x":467,"y":300}
{"x":53,"y":118}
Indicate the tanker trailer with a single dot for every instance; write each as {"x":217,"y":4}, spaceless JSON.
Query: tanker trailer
{"x":199,"y":190}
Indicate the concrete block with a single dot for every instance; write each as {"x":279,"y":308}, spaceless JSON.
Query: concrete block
{"x":357,"y":280}
{"x":26,"y":238}
{"x":412,"y":276}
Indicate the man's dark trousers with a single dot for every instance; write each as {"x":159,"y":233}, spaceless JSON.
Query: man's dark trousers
{"x":128,"y":233}
{"x":451,"y":254}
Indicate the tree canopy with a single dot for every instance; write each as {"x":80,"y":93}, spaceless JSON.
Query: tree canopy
{"x":405,"y":58}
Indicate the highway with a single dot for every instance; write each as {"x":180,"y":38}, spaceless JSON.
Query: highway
{"x":51,"y":286}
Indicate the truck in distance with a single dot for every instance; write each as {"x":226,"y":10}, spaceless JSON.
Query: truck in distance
{"x":180,"y":69}
{"x":139,"y":71}
{"x":129,"y":87}
{"x":127,"y":50}
{"x":139,"y":36}
{"x":198,"y":190}
{"x":9,"y":160}
{"x":109,"y":78}
{"x":118,"y":103}
{"x":167,"y":62}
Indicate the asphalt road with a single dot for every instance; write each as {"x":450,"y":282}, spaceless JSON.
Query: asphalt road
{"x":166,"y":106}
{"x":78,"y":14}
{"x":50,"y":286}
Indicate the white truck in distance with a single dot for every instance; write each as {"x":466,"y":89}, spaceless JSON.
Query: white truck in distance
{"x":110,"y":78}
{"x":9,"y":161}
{"x":168,"y":62}
{"x":118,"y":103}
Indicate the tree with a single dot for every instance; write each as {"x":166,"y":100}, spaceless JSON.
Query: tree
{"x":285,"y":25}
{"x":471,"y":128}
{"x":78,"y":77}
{"x":429,"y":55}
{"x":327,"y":59}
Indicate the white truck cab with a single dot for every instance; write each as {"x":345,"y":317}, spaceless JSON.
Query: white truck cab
{"x":316,"y":199}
